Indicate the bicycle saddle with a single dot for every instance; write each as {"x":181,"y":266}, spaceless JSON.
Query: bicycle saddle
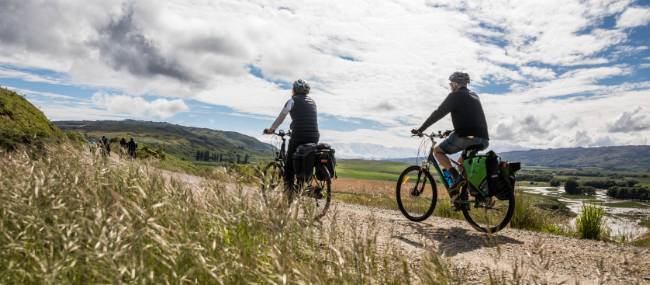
{"x":472,"y":150}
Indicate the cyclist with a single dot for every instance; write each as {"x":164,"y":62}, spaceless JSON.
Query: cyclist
{"x":304,"y":124}
{"x":470,"y":126}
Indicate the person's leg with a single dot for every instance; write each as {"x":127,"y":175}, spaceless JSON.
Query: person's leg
{"x":448,"y":146}
{"x":288,"y":166}
{"x":442,"y":158}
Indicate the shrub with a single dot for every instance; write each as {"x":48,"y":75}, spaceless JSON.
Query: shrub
{"x":527,"y":216}
{"x":555,"y":182}
{"x":586,"y":190}
{"x":571,"y":186}
{"x":640,"y":193}
{"x":590,"y":224}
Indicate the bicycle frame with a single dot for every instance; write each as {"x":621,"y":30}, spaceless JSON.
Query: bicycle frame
{"x":431,"y":160}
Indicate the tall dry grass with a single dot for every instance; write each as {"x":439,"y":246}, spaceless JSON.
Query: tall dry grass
{"x":70,"y":220}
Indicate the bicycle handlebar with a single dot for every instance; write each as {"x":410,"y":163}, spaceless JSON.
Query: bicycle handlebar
{"x":440,"y":134}
{"x":281,"y":133}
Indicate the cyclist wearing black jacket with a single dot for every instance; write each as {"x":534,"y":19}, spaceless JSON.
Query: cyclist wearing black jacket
{"x":470,"y":126}
{"x":304,"y":124}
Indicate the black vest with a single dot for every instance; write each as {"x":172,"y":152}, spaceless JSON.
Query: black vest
{"x":304,"y":118}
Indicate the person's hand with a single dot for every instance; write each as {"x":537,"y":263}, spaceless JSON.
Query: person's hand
{"x":416,"y":132}
{"x":267,"y":131}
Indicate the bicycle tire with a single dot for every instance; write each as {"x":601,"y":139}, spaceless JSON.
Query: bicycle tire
{"x":267,"y":188}
{"x":506,"y":220}
{"x":326,"y":191}
{"x":398,"y":190}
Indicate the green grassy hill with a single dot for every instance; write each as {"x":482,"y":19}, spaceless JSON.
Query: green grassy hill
{"x":635,"y":158}
{"x":180,"y":141}
{"x":369,"y":169}
{"x":23,"y":123}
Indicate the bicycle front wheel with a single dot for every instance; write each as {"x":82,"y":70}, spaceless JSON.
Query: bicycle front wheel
{"x":489,"y":214}
{"x":416,"y":193}
{"x":272,"y":181}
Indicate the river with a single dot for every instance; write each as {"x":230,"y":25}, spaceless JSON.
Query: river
{"x":622,"y":218}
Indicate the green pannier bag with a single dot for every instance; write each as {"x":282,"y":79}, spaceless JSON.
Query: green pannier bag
{"x":491,"y":176}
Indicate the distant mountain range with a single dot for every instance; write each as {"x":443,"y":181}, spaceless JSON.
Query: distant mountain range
{"x":181,"y":141}
{"x":635,"y":157}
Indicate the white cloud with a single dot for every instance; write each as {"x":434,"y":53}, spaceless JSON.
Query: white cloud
{"x":137,"y":106}
{"x":634,"y":17}
{"x":538,"y":73}
{"x":632,"y":121}
{"x":385,"y":61}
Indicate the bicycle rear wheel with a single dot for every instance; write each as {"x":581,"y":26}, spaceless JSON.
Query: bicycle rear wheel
{"x":315,"y":197}
{"x":272,"y":182}
{"x":489,"y":214}
{"x":416,"y":193}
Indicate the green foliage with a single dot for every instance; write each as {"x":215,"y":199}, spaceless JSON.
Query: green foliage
{"x":571,"y":186}
{"x":22,"y":123}
{"x":68,"y":221}
{"x":369,"y":169}
{"x":527,"y":216}
{"x":537,"y":176}
{"x":640,"y":193}
{"x":555,"y":182}
{"x":591,"y":222}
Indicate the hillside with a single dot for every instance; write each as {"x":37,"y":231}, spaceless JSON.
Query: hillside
{"x":610,"y":157}
{"x":22,"y":122}
{"x":636,"y":158}
{"x":180,"y":141}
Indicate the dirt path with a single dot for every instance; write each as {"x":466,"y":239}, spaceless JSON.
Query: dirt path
{"x":544,"y":257}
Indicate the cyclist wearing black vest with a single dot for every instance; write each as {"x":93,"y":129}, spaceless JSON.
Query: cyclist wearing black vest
{"x":468,"y":118}
{"x":304,"y":124}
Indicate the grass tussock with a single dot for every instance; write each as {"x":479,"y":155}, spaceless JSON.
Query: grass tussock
{"x":70,"y":220}
{"x":590,"y":224}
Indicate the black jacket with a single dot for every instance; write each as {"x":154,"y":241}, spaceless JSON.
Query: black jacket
{"x":466,"y":114}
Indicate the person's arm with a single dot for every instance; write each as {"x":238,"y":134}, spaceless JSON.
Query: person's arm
{"x":445,"y":108}
{"x":283,"y":114}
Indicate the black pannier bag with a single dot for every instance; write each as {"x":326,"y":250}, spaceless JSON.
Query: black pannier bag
{"x":501,"y":176}
{"x":304,"y":160}
{"x":326,"y":160}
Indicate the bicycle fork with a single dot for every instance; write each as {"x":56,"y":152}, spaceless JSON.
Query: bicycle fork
{"x":416,"y":191}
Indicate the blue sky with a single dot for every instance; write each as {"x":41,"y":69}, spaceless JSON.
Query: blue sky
{"x":550,"y":74}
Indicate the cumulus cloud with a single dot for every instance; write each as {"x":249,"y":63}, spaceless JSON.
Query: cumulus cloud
{"x":632,"y":121}
{"x":138,"y":106}
{"x":384,"y":61}
{"x":123,"y":46}
{"x":634,"y":17}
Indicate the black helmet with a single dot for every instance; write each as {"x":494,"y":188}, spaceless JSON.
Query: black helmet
{"x":300,"y":87}
{"x":459,"y":77}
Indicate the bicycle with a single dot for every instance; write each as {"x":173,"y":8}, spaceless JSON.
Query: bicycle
{"x":315,"y":193}
{"x":417,"y":200}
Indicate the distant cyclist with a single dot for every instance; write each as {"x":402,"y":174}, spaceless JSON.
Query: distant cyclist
{"x":304,"y":124}
{"x":470,"y":126}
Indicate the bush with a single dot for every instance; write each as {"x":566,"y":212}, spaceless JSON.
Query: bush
{"x":555,"y":182}
{"x":640,"y":193}
{"x":590,"y":224}
{"x":586,"y":190}
{"x":571,"y":186}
